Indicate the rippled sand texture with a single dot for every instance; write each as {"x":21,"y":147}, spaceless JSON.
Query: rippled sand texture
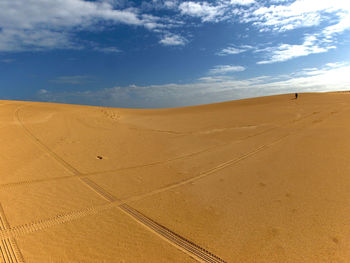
{"x":256,"y":180}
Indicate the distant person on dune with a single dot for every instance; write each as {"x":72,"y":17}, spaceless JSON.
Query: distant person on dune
{"x":296,"y":95}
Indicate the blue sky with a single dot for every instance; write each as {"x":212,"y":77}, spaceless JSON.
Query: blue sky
{"x":167,"y":53}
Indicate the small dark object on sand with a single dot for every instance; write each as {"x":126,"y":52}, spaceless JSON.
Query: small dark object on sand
{"x":296,"y":95}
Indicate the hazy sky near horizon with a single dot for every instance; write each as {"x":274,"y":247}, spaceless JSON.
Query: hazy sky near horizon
{"x":167,"y":53}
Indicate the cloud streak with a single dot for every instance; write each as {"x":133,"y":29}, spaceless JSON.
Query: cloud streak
{"x":203,"y":10}
{"x":327,"y":18}
{"x":231,"y":50}
{"x":330,"y":77}
{"x":50,"y":24}
{"x":296,"y":14}
{"x":284,"y":52}
{"x":224,"y":69}
{"x":173,"y":40}
{"x":107,"y":49}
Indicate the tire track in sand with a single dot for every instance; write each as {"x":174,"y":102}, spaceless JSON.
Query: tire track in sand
{"x":182,"y":243}
{"x":9,"y":251}
{"x":28,"y":182}
{"x":32,"y":227}
{"x":186,"y":246}
{"x":43,"y":146}
{"x":207,"y":172}
{"x":166,"y":234}
{"x":98,"y":189}
{"x":50,"y":222}
{"x":19,"y":121}
{"x":81,"y":175}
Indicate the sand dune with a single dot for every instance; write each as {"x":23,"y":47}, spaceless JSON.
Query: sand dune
{"x":255,"y":180}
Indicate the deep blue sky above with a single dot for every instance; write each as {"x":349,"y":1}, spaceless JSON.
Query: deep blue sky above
{"x":166,"y":53}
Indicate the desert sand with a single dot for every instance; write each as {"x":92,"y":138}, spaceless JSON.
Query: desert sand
{"x":256,"y":180}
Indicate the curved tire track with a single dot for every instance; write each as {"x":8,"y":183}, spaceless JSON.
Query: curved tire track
{"x":43,"y":146}
{"x":9,"y":251}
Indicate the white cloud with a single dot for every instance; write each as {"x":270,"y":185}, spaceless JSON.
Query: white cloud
{"x":170,"y":4}
{"x":224,"y":69}
{"x":335,"y":64}
{"x":329,"y":19}
{"x":22,"y":39}
{"x":61,"y":13}
{"x":42,"y":92}
{"x":173,"y":40}
{"x":299,"y":13}
{"x":46,"y":24}
{"x":203,"y":10}
{"x":107,"y":49}
{"x":213,"y":11}
{"x":341,"y":26}
{"x":284,"y":52}
{"x":234,"y":50}
{"x":230,"y":51}
{"x":209,"y":89}
{"x":327,"y":78}
{"x":242,"y":2}
{"x":283,"y":18}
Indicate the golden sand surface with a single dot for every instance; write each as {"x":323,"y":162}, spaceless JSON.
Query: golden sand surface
{"x":256,"y":180}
